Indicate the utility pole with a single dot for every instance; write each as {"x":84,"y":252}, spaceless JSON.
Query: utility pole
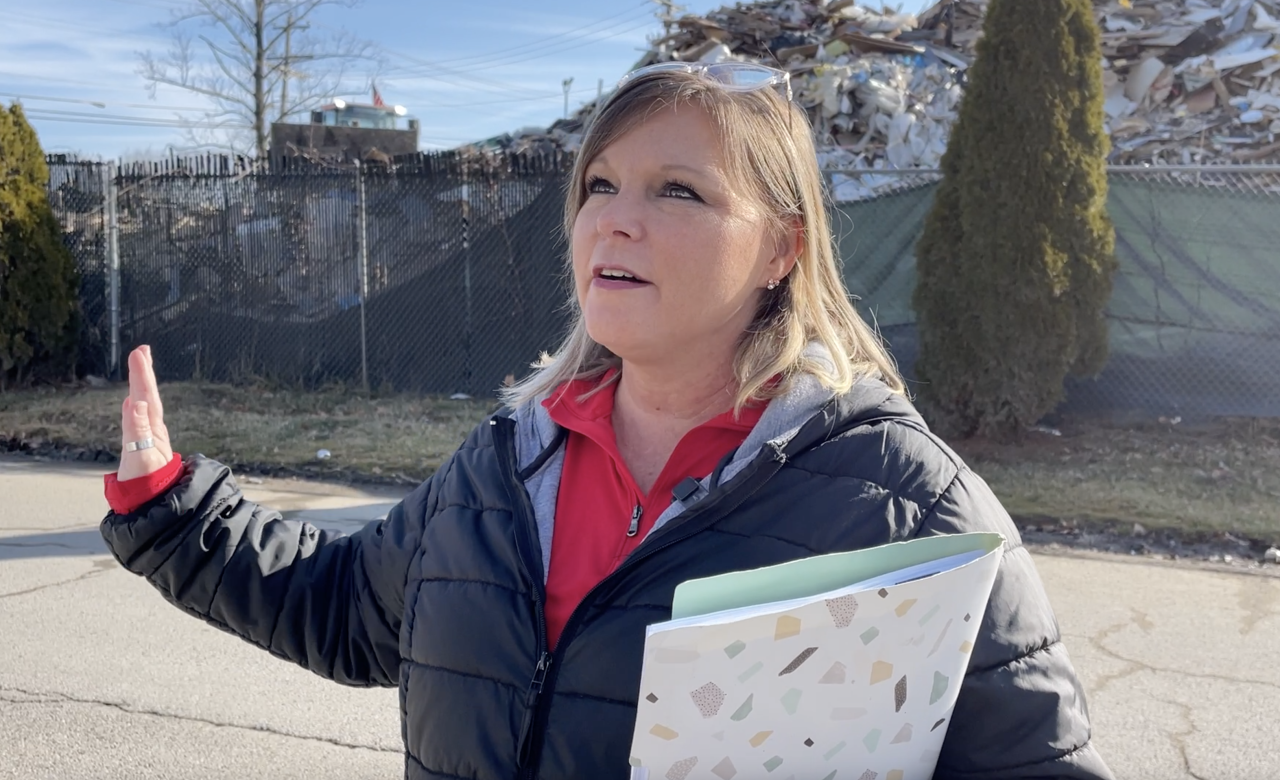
{"x":567,"y":83}
{"x":362,"y":200}
{"x":668,"y":14}
{"x":286,"y":62}
{"x":284,"y":68}
{"x":260,"y":79}
{"x":112,"y":206}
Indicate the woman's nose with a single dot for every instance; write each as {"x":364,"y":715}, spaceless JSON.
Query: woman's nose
{"x":621,"y":216}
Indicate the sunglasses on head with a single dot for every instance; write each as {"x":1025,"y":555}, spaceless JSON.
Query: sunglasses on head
{"x":732,"y":76}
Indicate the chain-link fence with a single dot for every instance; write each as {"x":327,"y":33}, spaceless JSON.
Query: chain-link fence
{"x":439,"y":275}
{"x":1195,"y":314}
{"x":78,"y":193}
{"x":445,"y":275}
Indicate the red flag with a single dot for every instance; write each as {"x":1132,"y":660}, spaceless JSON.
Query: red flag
{"x":377,"y":98}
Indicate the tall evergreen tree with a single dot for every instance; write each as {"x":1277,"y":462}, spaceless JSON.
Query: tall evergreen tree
{"x":1016,"y":260}
{"x":39,"y":285}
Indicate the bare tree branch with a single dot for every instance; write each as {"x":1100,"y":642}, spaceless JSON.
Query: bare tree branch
{"x":257,"y":63}
{"x":219,"y":9}
{"x":231,"y":71}
{"x":212,"y":15}
{"x":304,"y":8}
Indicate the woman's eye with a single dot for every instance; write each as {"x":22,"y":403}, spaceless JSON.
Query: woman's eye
{"x":678,"y":190}
{"x":598,"y":185}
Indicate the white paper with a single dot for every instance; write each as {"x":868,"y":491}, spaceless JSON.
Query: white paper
{"x":855,"y":684}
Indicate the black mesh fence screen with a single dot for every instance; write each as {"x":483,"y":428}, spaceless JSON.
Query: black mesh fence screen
{"x":77,"y":192}
{"x":1195,"y":314}
{"x":446,"y":275}
{"x":439,"y":275}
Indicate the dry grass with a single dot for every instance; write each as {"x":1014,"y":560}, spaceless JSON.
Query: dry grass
{"x":396,"y":439}
{"x":1210,"y":478}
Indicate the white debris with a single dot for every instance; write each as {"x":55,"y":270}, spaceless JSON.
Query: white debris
{"x":1186,"y":81}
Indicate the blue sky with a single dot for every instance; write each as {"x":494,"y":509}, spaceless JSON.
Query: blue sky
{"x":468,"y":69}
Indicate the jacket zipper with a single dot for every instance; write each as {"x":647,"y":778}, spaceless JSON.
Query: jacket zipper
{"x":544,"y":676}
{"x":531,"y":705}
{"x":504,"y":444}
{"x":634,"y":528}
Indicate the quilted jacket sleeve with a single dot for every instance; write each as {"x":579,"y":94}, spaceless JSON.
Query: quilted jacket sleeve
{"x":328,"y":602}
{"x":1021,"y":712}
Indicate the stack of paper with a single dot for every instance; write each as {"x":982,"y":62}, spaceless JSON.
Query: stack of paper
{"x":839,"y":666}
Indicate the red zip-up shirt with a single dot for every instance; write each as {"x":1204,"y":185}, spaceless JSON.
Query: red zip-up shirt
{"x":130,"y":495}
{"x":601,"y":514}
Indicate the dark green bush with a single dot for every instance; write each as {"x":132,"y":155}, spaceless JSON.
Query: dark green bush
{"x":39,"y":305}
{"x":1017,"y":256}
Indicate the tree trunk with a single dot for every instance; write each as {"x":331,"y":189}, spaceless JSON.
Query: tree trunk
{"x":259,"y":79}
{"x":284,"y":70}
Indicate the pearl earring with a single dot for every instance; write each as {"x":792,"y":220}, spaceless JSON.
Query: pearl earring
{"x":773,"y":284}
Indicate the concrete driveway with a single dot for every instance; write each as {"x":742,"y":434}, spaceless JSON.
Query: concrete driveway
{"x":101,"y":678}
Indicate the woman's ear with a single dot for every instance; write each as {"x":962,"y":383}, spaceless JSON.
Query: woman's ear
{"x":789,"y":244}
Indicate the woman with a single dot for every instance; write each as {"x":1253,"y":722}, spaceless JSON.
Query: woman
{"x":718,"y":406}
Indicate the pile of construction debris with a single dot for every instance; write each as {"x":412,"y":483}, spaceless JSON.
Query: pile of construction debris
{"x":876,"y":85}
{"x":1188,"y":81}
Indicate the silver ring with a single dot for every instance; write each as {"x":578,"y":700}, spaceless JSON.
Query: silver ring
{"x":143,"y":444}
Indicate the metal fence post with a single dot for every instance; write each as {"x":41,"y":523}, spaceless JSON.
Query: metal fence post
{"x":111,"y":198}
{"x":364,"y":277}
{"x":469,"y":340}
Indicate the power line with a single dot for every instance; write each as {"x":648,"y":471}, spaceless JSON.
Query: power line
{"x":83,"y":117}
{"x":506,"y":64}
{"x":103,"y":103}
{"x":36,"y":20}
{"x":51,"y":79}
{"x":161,"y":4}
{"x":122,"y":123}
{"x":670,"y":12}
{"x":467,"y":72}
{"x":467,"y":64}
{"x":566,"y":48}
{"x":541,"y":52}
{"x":461,"y":78}
{"x":548,"y":96}
{"x":152,"y":107}
{"x":488,"y":85}
{"x":629,"y":12}
{"x":577,"y":41}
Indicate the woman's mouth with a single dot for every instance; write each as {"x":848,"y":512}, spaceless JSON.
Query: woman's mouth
{"x":616,"y":279}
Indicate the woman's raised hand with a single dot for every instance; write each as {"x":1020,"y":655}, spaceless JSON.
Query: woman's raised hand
{"x":142,"y":421}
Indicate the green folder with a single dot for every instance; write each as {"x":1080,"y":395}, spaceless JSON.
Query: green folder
{"x":820,"y":574}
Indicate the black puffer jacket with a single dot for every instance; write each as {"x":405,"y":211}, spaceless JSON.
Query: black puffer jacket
{"x":444,"y":597}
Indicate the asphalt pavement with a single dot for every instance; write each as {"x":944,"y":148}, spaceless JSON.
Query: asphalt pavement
{"x":101,"y":678}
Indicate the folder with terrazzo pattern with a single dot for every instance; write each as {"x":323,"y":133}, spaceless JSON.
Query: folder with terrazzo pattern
{"x":839,"y":667}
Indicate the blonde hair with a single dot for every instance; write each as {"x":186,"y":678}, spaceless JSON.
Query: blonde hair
{"x":768,"y":145}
